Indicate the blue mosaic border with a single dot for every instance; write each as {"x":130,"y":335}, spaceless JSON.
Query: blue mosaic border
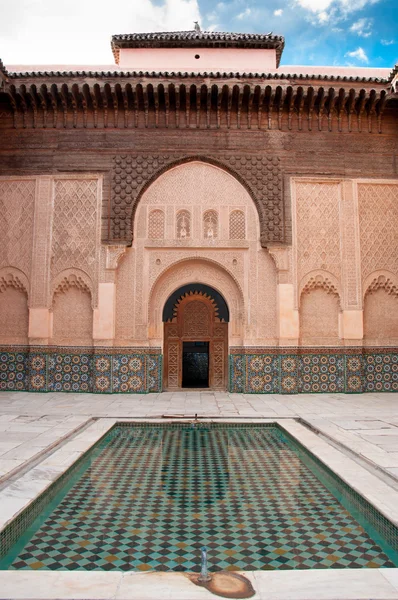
{"x":95,"y":370}
{"x":251,"y":370}
{"x":313,"y":370}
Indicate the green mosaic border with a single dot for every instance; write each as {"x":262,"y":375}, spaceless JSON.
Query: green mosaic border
{"x":382,"y":526}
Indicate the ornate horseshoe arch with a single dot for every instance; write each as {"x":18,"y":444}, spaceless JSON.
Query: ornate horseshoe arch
{"x":196,"y":314}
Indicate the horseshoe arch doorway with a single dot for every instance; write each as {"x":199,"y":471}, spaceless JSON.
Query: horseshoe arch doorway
{"x":195,"y":319}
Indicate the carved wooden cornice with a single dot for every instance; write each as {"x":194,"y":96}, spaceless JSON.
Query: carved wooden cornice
{"x":207,"y":101}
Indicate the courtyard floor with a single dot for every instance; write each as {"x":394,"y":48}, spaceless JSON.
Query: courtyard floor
{"x":42,"y":434}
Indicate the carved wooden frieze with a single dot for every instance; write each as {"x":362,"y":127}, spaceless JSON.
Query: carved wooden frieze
{"x":260,"y":175}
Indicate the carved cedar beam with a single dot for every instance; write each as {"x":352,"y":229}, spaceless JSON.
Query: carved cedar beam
{"x":13,"y":102}
{"x":350,"y":108}
{"x":321,"y":106}
{"x":198,"y":98}
{"x":230,"y":94}
{"x":271,"y":103}
{"x":380,"y":108}
{"x":210,"y":90}
{"x":371,"y":108}
{"x":239,"y":103}
{"x":134,"y":91}
{"x":42,"y":95}
{"x":177,"y":104}
{"x":166,"y":91}
{"x":188,"y":105}
{"x":144,"y":91}
{"x":290,"y":98}
{"x":125,"y":97}
{"x":156,"y":91}
{"x":74,"y":99}
{"x":331,"y":106}
{"x":361,"y":108}
{"x":300,"y":97}
{"x":312,"y":94}
{"x":260,"y":107}
{"x":340,"y":103}
{"x":114,"y":92}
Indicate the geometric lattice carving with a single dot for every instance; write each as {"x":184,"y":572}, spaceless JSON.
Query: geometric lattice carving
{"x":378,"y":218}
{"x":156,"y":225}
{"x":210,"y":224}
{"x":11,"y":280}
{"x":196,"y":319}
{"x":320,"y":282}
{"x":383,"y":282}
{"x":319,"y":317}
{"x":261,"y":175}
{"x":17,"y":199}
{"x":71,"y":281}
{"x":318,"y":228}
{"x":183,"y":224}
{"x":237,"y":225}
{"x":75,"y":227}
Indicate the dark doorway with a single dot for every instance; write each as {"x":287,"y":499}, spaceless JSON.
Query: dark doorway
{"x":195,"y":364}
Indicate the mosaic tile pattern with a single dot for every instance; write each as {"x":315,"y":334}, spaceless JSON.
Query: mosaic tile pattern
{"x":262,"y":373}
{"x":381,"y":372}
{"x":321,"y":373}
{"x":70,"y":372}
{"x":13,"y":370}
{"x":149,"y":497}
{"x":41,"y":369}
{"x":313,"y":370}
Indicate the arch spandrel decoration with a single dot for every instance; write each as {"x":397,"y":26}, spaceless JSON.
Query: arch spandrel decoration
{"x":195,"y":318}
{"x":260,"y":175}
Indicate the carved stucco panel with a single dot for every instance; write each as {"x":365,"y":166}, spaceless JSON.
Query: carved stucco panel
{"x":76,"y":226}
{"x":378,"y":218}
{"x":17,"y":200}
{"x":316,"y":229}
{"x":190,"y":271}
{"x":261,"y":175}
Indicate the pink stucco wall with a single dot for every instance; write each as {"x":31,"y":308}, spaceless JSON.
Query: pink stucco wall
{"x":211,"y":59}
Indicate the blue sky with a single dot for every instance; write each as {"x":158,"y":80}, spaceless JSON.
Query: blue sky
{"x":317,"y":32}
{"x":343,"y":32}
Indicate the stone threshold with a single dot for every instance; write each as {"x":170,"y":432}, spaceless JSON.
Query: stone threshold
{"x":317,"y":584}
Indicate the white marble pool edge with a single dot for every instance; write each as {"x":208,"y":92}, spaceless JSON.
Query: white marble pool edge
{"x":317,"y":584}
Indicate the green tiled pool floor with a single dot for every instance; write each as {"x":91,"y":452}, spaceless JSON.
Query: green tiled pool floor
{"x":150,"y":497}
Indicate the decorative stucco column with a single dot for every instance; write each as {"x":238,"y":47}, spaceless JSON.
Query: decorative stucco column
{"x":104,"y":314}
{"x":288,"y":316}
{"x":40,"y":317}
{"x":351,"y":321}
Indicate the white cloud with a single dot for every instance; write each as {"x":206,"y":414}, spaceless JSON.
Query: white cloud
{"x":246,"y":13}
{"x":387,"y":42}
{"x":77,"y":32}
{"x":325,"y":11}
{"x":278,"y":13}
{"x":362,"y":27}
{"x":359,"y":54}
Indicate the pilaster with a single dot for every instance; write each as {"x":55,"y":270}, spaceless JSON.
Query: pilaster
{"x":40,"y":322}
{"x":351,"y":298}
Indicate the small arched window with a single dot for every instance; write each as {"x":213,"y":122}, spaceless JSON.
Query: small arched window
{"x":156,"y":225}
{"x":210,"y":224}
{"x":237,"y":225}
{"x":183,"y":224}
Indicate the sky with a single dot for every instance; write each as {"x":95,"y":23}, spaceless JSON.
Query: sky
{"x":317,"y":32}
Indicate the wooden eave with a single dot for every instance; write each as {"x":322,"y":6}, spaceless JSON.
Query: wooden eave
{"x":203,"y":101}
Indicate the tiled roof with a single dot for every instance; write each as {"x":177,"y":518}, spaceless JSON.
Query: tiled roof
{"x":186,"y":75}
{"x":181,"y":39}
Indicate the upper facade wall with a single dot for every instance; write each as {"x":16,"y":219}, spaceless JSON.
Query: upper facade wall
{"x":197,"y":59}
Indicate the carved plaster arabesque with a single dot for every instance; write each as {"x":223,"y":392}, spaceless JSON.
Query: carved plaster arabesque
{"x":281,"y":256}
{"x":382,"y":280}
{"x":10,"y":277}
{"x":320,"y":280}
{"x":76,"y":227}
{"x":17,"y":205}
{"x":260,"y":175}
{"x":196,"y":271}
{"x":72,"y":278}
